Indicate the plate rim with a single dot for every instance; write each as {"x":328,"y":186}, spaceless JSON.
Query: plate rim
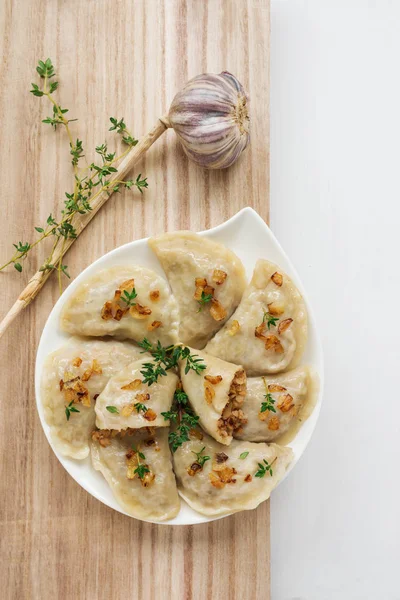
{"x":81,"y":276}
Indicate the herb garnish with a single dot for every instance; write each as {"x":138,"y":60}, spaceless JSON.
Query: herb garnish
{"x":265,"y":467}
{"x":199,"y":458}
{"x":269,"y":320}
{"x":129,"y":297}
{"x":140,"y":407}
{"x":70,"y":409}
{"x":183,"y":414}
{"x":141,"y":469}
{"x":89,"y":182}
{"x":205,"y":298}
{"x":166,"y":358}
{"x":244,"y":455}
{"x":113,"y":409}
{"x":270,"y":401}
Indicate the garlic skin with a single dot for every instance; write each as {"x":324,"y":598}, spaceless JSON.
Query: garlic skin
{"x":210,"y":117}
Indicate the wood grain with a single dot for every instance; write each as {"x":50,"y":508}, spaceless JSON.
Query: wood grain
{"x":114,"y":58}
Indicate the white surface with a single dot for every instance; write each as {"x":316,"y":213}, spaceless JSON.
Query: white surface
{"x":250,"y":238}
{"x":335,"y":93}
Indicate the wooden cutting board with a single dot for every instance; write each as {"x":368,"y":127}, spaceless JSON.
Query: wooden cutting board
{"x":123,"y":58}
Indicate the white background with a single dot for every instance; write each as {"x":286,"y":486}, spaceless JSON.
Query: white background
{"x":335,"y":207}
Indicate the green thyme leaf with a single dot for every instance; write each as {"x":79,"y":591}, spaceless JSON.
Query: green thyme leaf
{"x":244,"y":455}
{"x":70,"y":409}
{"x":46,"y":68}
{"x":141,"y":471}
{"x":200,"y":459}
{"x":264,"y":468}
{"x":113,"y":409}
{"x":205,"y":298}
{"x":270,"y":320}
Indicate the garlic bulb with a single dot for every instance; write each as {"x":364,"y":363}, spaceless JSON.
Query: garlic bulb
{"x":210,"y":117}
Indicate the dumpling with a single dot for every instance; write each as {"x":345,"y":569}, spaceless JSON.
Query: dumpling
{"x":276,"y":406}
{"x":137,"y":466}
{"x":72,"y":377}
{"x":127,"y":402}
{"x":268,"y":331}
{"x":216,"y":396}
{"x":216,"y":480}
{"x":206,"y":278}
{"x":105,"y":304}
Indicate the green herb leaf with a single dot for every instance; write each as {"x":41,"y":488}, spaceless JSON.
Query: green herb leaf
{"x":269,"y":404}
{"x":205,"y":298}
{"x":36,"y":91}
{"x":141,"y":183}
{"x":46,"y":68}
{"x":18,"y":266}
{"x":113,"y":409}
{"x":53,"y":86}
{"x":39,"y":229}
{"x":270,"y":401}
{"x":166,"y":358}
{"x":270,"y":320}
{"x":264,"y":468}
{"x":244,"y":455}
{"x":140,"y":407}
{"x":141,"y":471}
{"x":76,"y":152}
{"x":129,"y":297}
{"x":199,"y":458}
{"x":170,"y":415}
{"x":70,"y":409}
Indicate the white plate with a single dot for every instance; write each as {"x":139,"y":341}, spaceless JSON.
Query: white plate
{"x":250,"y":238}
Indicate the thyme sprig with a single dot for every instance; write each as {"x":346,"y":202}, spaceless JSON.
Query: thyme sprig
{"x":264,"y":468}
{"x":70,"y":408}
{"x":270,"y":320}
{"x":269,"y":400}
{"x":204,"y":299}
{"x":200,"y":458}
{"x":182,"y":414}
{"x":140,"y":407}
{"x":141,"y":468}
{"x":89,"y":181}
{"x":129,"y":297}
{"x":166,"y":358}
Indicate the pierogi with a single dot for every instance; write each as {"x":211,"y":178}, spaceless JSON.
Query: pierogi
{"x":276,"y":405}
{"x":128,"y":402}
{"x":268,"y":331}
{"x":206,"y":278}
{"x":137,"y":466}
{"x":216,"y":395}
{"x":126,"y":302}
{"x":226,"y":482}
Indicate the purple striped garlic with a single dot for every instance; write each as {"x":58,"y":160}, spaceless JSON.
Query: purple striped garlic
{"x":210,"y":117}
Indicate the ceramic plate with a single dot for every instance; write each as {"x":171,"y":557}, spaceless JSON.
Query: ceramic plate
{"x":250,"y":238}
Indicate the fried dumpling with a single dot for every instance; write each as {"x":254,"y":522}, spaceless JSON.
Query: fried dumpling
{"x":268,"y":331}
{"x":137,"y":466}
{"x":73,"y":376}
{"x":206,"y":278}
{"x":216,"y":396}
{"x":128,"y":402}
{"x":216,"y":479}
{"x":127,"y":302}
{"x":277,"y":405}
